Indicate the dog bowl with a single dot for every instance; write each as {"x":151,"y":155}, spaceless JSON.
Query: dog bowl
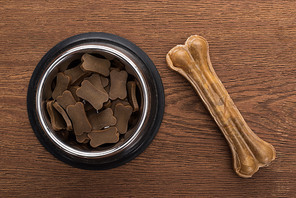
{"x":150,"y":92}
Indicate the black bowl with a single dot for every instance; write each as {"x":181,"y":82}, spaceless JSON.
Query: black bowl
{"x":137,"y":64}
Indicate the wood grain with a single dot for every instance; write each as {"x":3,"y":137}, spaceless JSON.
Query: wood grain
{"x":252,"y":48}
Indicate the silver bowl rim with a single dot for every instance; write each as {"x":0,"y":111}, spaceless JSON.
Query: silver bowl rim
{"x":39,"y":101}
{"x":154,"y":119}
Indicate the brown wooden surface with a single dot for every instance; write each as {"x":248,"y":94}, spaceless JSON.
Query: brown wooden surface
{"x":252,"y":48}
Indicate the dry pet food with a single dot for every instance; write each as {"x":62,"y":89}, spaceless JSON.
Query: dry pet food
{"x":66,"y":99}
{"x":56,"y":119}
{"x":118,"y":84}
{"x":122,"y":113}
{"x":103,"y":119}
{"x":105,"y":81}
{"x":80,"y":122}
{"x":73,"y":89}
{"x":92,"y":94}
{"x":75,"y":74}
{"x":99,"y":137}
{"x":61,"y":85}
{"x":117,"y":101}
{"x":95,"y":79}
{"x":107,"y":104}
{"x":64,"y":115}
{"x":93,"y":64}
{"x":92,"y":101}
{"x":82,"y":138}
{"x":87,"y":106}
{"x":132,"y":98}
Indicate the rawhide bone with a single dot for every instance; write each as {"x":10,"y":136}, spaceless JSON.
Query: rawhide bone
{"x":192,"y":61}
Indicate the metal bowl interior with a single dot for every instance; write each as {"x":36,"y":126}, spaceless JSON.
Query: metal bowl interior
{"x":134,"y":68}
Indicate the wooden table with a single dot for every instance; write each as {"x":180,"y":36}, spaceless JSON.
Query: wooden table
{"x":252,"y":48}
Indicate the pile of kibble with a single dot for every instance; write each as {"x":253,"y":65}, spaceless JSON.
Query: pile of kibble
{"x":94,"y":100}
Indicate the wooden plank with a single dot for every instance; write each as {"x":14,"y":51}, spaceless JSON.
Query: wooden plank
{"x":252,"y":48}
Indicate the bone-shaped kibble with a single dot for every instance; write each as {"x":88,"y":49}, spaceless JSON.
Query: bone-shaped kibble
{"x":73,"y":90}
{"x":64,"y":115}
{"x":117,"y":101}
{"x":99,"y":137}
{"x":56,"y":120}
{"x":105,"y":81}
{"x":100,"y":120}
{"x":122,"y":113}
{"x":118,"y":84}
{"x":66,"y":99}
{"x":61,"y":85}
{"x":83,"y":138}
{"x":107,"y":88}
{"x":75,"y":74}
{"x":91,"y":94}
{"x":79,"y":120}
{"x":88,"y":106}
{"x":132,"y":98}
{"x":95,"y":79}
{"x":114,"y":68}
{"x":193,"y":62}
{"x":93,"y":64}
{"x":107,"y":104}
